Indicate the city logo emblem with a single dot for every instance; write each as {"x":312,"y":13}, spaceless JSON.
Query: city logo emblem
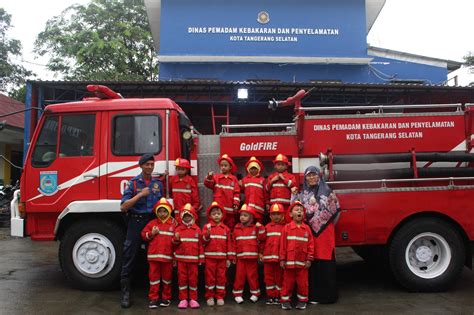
{"x":48,"y":183}
{"x":263,"y":17}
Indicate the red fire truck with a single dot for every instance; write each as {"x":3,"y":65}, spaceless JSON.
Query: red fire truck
{"x":404,"y":176}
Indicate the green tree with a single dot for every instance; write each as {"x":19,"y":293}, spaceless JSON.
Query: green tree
{"x":12,"y":75}
{"x":469,"y":59}
{"x":102,"y":40}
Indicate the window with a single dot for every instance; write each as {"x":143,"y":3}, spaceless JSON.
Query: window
{"x":136,"y":135}
{"x":77,"y":135}
{"x":44,"y":152}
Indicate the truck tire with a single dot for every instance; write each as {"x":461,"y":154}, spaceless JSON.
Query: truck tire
{"x":90,"y":254}
{"x":427,"y":255}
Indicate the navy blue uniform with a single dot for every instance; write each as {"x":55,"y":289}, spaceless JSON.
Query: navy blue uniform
{"x":139,"y":215}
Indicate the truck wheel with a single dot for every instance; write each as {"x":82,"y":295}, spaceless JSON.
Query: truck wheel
{"x":90,"y":254}
{"x":427,"y":255}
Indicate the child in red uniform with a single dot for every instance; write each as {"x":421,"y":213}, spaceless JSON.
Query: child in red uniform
{"x":225,"y":188}
{"x":159,"y":233}
{"x":218,"y":253}
{"x":247,"y":238}
{"x":254,"y":187}
{"x":296,"y":255}
{"x":188,"y":254}
{"x":273,"y":274}
{"x":281,"y":184}
{"x":183,"y":187}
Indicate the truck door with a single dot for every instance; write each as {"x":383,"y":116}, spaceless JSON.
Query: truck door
{"x":131,"y":135}
{"x":64,"y":164}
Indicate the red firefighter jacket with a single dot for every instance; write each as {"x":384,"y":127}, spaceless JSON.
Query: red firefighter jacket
{"x":188,"y":248}
{"x":218,"y":245}
{"x":255,"y":193}
{"x":226,"y":190}
{"x":248,"y":240}
{"x":296,"y":245}
{"x":280,"y":191}
{"x":184,"y":190}
{"x":271,"y":248}
{"x":160,"y":246}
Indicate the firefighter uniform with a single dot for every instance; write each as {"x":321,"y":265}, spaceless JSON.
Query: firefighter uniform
{"x":160,"y":252}
{"x":296,"y":248}
{"x":272,"y":272}
{"x":280,"y":190}
{"x":218,"y":250}
{"x":226,"y":191}
{"x":138,"y":216}
{"x":188,"y":253}
{"x":247,"y":241}
{"x":254,"y":189}
{"x":183,"y":190}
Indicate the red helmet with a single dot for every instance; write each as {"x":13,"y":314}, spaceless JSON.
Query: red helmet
{"x":225,"y":157}
{"x":281,"y":158}
{"x":276,"y":208}
{"x":248,"y":209}
{"x":297,"y":203}
{"x":213,"y":205}
{"x":180,"y":162}
{"x":163,"y":203}
{"x":188,"y":209}
{"x":254,"y":162}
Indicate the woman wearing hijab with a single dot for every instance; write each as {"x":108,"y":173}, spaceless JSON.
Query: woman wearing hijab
{"x":322,"y":210}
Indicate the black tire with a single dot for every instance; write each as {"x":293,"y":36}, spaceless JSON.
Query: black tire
{"x":106,"y":230}
{"x":438,"y":272}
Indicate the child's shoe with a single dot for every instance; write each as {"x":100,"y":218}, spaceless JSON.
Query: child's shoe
{"x":194,"y":304}
{"x":254,"y":298}
{"x":183,"y":304}
{"x":239,"y":299}
{"x":286,"y":306}
{"x":301,"y":305}
{"x":153,"y":304}
{"x":276,"y":301}
{"x":220,"y":302}
{"x":269,"y":301}
{"x":210,"y":302}
{"x":165,"y":303}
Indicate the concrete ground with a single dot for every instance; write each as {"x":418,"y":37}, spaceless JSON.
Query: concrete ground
{"x":31,"y":282}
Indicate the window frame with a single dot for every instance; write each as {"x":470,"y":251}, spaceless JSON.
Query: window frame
{"x":114,"y":129}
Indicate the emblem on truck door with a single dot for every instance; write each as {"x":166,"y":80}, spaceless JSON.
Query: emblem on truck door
{"x":48,"y":183}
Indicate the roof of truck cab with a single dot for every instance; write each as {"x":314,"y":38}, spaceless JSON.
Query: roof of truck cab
{"x":94,"y":104}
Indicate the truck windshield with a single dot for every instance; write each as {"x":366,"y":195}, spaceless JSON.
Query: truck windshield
{"x":45,"y":149}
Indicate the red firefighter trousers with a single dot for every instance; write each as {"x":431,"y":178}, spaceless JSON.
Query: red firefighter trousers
{"x":246,"y":269}
{"x":215,"y":271}
{"x":187,"y":280}
{"x":273,"y":277}
{"x":160,"y":272}
{"x":298,"y":276}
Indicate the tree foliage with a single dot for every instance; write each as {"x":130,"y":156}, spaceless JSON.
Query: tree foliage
{"x":469,"y":59}
{"x":102,"y":40}
{"x":12,"y":75}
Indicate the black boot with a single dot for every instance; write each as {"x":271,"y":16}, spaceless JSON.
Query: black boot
{"x":125,"y":293}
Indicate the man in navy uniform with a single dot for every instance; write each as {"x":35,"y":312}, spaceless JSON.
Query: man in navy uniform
{"x":138,"y":200}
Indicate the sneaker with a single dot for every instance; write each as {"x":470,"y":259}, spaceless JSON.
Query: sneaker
{"x":239,"y":299}
{"x":286,"y":306}
{"x":220,"y":302}
{"x":183,"y":304}
{"x":254,"y":298}
{"x":153,"y":304}
{"x":276,"y":301}
{"x":313,"y":302}
{"x":301,"y":305}
{"x":194,"y":304}
{"x":210,"y":302}
{"x":269,"y":301}
{"x":165,"y":303}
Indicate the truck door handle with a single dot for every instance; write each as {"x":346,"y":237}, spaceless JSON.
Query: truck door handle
{"x":89,"y":176}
